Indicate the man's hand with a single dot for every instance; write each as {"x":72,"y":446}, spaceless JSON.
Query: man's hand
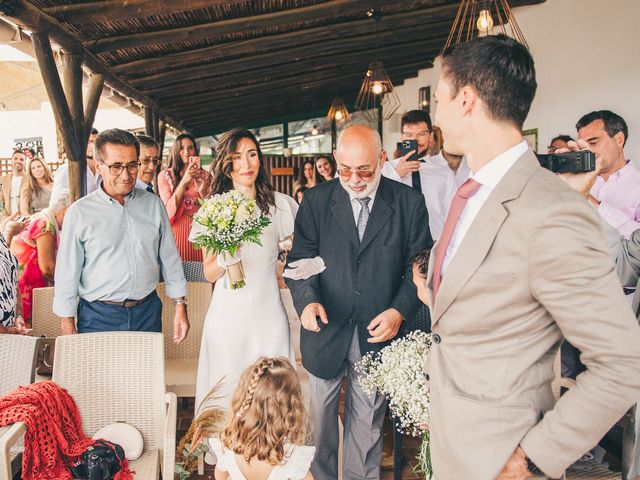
{"x":580,"y":182}
{"x":180,"y":324}
{"x":310,"y":314}
{"x":405,"y":167}
{"x":385,"y":326}
{"x":516,"y":467}
{"x":68,"y":326}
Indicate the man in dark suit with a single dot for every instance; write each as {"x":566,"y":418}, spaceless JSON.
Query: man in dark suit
{"x":366,"y":229}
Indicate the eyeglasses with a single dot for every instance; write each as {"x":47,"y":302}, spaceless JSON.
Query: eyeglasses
{"x":117,"y":168}
{"x":346,"y":173}
{"x":415,"y":136}
{"x":151,"y":161}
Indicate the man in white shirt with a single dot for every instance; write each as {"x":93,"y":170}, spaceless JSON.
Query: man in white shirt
{"x":149,"y":162}
{"x":433,"y":176}
{"x":92,"y":181}
{"x":520,"y":259}
{"x":12,"y":184}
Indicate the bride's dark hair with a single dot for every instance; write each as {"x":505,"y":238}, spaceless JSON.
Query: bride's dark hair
{"x":222,"y":167}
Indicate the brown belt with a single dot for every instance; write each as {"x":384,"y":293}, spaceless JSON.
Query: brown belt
{"x":128,"y":303}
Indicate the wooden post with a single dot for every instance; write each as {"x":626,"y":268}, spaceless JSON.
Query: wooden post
{"x":148,"y":122}
{"x":44,"y":56}
{"x":72,"y":83}
{"x":334,"y":134}
{"x":93,"y":99}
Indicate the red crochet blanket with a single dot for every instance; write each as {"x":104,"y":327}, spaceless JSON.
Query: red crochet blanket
{"x":54,"y":436}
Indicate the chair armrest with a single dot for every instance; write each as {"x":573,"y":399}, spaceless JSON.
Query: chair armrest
{"x":169,"y":450}
{"x":7,"y":440}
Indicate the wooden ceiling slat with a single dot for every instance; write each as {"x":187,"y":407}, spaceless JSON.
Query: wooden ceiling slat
{"x":305,"y":80}
{"x":33,"y":19}
{"x":113,"y":10}
{"x":217,"y":29}
{"x":263,"y":98}
{"x":344,"y":61}
{"x":312,"y":36}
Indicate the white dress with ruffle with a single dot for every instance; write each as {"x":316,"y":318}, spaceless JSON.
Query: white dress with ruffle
{"x":295,"y":465}
{"x":242,"y":325}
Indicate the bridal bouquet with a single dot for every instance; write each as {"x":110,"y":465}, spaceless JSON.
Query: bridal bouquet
{"x":396,"y":372}
{"x":227,"y":220}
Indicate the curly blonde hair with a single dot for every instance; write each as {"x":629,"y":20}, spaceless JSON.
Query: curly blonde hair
{"x":267,"y":412}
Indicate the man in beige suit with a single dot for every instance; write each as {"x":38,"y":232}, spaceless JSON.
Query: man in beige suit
{"x":12,"y":184}
{"x":522,"y":264}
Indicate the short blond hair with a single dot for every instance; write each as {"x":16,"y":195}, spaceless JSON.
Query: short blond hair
{"x":267,"y":411}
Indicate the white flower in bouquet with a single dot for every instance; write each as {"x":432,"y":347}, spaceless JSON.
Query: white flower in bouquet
{"x":396,"y":371}
{"x":227,"y":220}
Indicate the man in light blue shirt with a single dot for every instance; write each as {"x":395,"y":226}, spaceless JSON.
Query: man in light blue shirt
{"x":115,"y":243}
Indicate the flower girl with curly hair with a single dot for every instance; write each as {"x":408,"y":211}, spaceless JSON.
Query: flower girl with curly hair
{"x":264,"y":438}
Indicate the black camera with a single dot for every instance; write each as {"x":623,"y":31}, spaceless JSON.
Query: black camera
{"x":100,"y":461}
{"x":570,"y":162}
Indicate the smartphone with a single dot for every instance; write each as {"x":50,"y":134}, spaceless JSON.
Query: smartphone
{"x":406,"y":146}
{"x":194,"y":162}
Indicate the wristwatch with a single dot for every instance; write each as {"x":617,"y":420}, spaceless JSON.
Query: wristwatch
{"x":532,"y":467}
{"x":180,"y":301}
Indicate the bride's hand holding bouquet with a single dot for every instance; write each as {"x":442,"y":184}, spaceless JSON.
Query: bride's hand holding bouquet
{"x":225,"y":222}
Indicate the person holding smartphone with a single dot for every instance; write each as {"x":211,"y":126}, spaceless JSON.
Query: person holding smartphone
{"x":181,"y":186}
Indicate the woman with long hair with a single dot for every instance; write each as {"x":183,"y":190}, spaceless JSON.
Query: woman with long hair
{"x":36,"y":191}
{"x":36,"y":247}
{"x":325,"y":168}
{"x":181,"y":186}
{"x":243,"y":324}
{"x":307,"y":174}
{"x":265,"y":434}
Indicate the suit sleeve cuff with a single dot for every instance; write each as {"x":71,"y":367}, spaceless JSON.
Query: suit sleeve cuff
{"x":535,"y":449}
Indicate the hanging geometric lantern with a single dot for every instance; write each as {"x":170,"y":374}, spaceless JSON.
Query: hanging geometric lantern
{"x":476,"y":18}
{"x":377,"y":91}
{"x":338,"y":111}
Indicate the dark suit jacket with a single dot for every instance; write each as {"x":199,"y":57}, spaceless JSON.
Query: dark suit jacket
{"x":361,"y":279}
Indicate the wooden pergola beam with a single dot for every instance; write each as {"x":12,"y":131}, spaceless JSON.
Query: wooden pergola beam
{"x":231,"y":26}
{"x":319,"y":36}
{"x":112,"y":10}
{"x":304,"y":81}
{"x":60,"y":107}
{"x":299,"y":58}
{"x":251,"y":105}
{"x":96,"y":84}
{"x":31,"y":18}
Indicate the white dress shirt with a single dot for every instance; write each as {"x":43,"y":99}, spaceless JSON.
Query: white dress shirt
{"x":439,"y":184}
{"x":142,"y":185}
{"x":61,"y":182}
{"x":356,"y":206}
{"x":16,"y":183}
{"x":488,"y":177}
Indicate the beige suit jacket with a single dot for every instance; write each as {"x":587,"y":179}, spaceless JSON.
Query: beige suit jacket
{"x":532,"y":268}
{"x":6,"y":194}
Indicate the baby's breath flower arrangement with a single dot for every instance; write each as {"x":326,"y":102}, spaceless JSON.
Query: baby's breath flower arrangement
{"x":229,"y":219}
{"x":396,"y":371}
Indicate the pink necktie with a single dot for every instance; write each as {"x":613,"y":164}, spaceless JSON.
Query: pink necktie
{"x":464,"y":193}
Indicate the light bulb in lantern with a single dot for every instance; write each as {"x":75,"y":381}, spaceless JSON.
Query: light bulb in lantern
{"x":485,"y":22}
{"x":338,"y":115}
{"x":314,"y":130}
{"x":377,"y":88}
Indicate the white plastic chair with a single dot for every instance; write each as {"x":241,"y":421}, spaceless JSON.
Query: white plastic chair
{"x":17,"y":362}
{"x":119,"y":377}
{"x":181,"y":360}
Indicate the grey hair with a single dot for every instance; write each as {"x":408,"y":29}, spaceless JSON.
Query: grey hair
{"x":374,"y":134}
{"x":114,"y":136}
{"x":61,"y":201}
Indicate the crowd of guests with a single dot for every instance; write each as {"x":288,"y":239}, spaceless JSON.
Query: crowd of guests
{"x":519,"y":262}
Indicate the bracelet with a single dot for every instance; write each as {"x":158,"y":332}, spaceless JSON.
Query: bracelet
{"x":180,"y":301}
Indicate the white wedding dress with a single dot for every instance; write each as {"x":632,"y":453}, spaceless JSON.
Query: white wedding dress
{"x":242,"y":325}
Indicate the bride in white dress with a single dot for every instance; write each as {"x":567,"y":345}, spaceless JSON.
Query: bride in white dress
{"x":242,"y":325}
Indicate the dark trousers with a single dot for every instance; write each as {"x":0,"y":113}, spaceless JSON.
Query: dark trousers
{"x":99,"y":317}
